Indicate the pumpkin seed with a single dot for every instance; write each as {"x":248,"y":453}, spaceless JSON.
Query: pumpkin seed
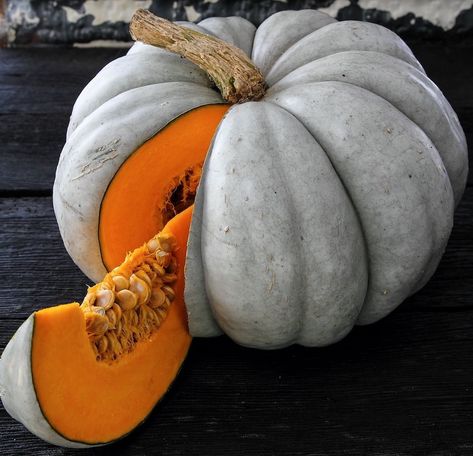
{"x":117,"y":311}
{"x":118,"y":327}
{"x":114,"y":343}
{"x":159,"y":269}
{"x":97,"y":310}
{"x":163,"y":258}
{"x":102,"y":345}
{"x":140,"y":288}
{"x":132,"y":317}
{"x":167,"y":242}
{"x":160,"y":313}
{"x":158,"y":297}
{"x":167,"y":303}
{"x":169,"y":292}
{"x":152,"y":245}
{"x":169,"y":278}
{"x":105,"y":299}
{"x":112,"y":318}
{"x":106,"y":286}
{"x":89,"y":299}
{"x":144,"y":276}
{"x":121,"y":283}
{"x":95,"y":324}
{"x":126,"y":299}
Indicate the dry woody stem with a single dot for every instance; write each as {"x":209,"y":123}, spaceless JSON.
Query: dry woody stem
{"x":133,"y":299}
{"x":236,"y":76}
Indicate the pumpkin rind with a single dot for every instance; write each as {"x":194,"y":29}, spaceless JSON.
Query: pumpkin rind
{"x":406,"y":88}
{"x":395,"y":178}
{"x":281,"y":30}
{"x":339,"y":37}
{"x":122,"y":75}
{"x":271,"y":264}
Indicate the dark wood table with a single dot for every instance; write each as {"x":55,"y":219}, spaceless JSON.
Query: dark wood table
{"x":403,"y":386}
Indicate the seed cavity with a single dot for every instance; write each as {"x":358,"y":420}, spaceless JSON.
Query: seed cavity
{"x":133,"y":300}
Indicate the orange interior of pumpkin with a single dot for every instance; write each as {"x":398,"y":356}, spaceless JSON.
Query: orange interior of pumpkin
{"x":135,"y":205}
{"x":96,"y":402}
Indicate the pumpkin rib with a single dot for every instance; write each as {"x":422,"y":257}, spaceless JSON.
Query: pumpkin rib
{"x":289,"y":302}
{"x":338,"y":37}
{"x":130,"y":72}
{"x":398,"y":262}
{"x":235,"y":30}
{"x":407,"y":89}
{"x":281,"y":30}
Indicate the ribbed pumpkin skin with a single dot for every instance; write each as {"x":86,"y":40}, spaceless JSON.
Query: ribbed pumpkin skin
{"x":323,"y":205}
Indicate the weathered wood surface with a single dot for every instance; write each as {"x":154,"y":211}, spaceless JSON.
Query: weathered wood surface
{"x":401,"y":387}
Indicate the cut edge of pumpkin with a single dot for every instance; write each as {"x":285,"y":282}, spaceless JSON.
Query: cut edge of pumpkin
{"x":156,"y":182}
{"x":92,"y":401}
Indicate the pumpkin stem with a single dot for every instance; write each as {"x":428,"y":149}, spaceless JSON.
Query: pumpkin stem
{"x":236,"y":76}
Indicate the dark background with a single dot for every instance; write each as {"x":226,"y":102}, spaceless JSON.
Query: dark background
{"x":403,"y":386}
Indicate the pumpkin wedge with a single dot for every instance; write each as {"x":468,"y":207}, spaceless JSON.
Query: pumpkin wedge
{"x":87,"y":374}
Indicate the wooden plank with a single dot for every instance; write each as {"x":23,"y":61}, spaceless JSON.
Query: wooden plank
{"x":400,"y":387}
{"x":30,"y":150}
{"x":47,"y":80}
{"x":38,"y":89}
{"x":35,"y":269}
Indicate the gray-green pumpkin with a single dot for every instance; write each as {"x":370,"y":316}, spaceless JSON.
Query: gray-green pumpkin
{"x":324,"y":204}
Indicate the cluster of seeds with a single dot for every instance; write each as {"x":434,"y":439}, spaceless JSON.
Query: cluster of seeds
{"x":133,"y":300}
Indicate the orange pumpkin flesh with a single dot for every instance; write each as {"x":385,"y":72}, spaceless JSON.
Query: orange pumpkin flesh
{"x":92,"y":401}
{"x":135,"y":205}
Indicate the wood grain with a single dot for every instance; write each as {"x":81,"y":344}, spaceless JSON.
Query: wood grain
{"x":38,"y":88}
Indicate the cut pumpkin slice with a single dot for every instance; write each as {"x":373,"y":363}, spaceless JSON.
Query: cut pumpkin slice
{"x":87,"y":374}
